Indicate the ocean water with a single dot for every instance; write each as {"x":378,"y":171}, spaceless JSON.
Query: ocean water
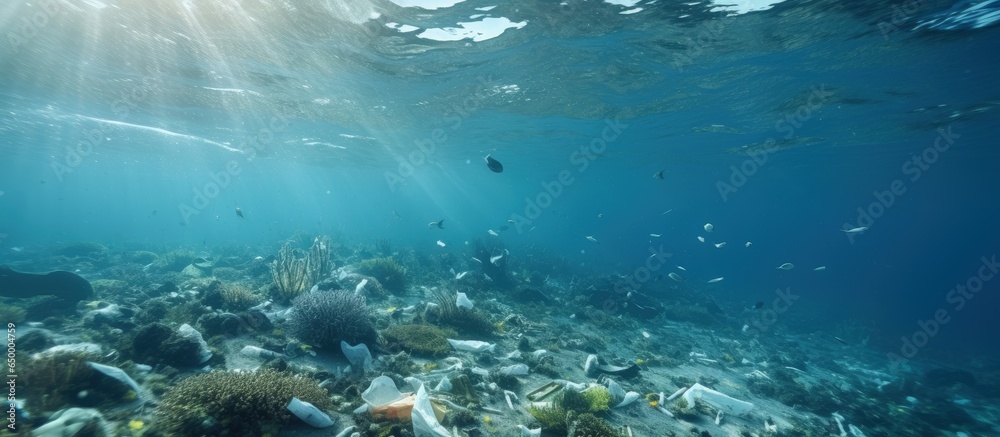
{"x":781,"y":123}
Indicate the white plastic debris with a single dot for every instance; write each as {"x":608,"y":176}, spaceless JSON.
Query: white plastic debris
{"x":716,"y":399}
{"x":515,"y":370}
{"x":617,"y":392}
{"x":425,"y":423}
{"x":254,"y":351}
{"x":462,"y":301}
{"x":855,"y":432}
{"x":359,"y":356}
{"x":361,"y":286}
{"x":525,"y":432}
{"x":309,"y":413}
{"x":590,"y":367}
{"x":443,"y":385}
{"x":381,"y":391}
{"x":677,"y":393}
{"x":346,"y":432}
{"x":628,"y":399}
{"x":119,"y":375}
{"x":71,"y":421}
{"x":188,"y":332}
{"x":840,"y":424}
{"x":76,"y":348}
{"x":718,"y":418}
{"x":472,"y":345}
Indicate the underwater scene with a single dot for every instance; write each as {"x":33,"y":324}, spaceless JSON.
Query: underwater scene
{"x":472,"y":218}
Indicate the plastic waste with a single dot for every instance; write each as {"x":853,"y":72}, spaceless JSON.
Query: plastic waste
{"x":462,"y":301}
{"x":472,"y":345}
{"x":359,"y":356}
{"x":515,"y":370}
{"x":381,"y":391}
{"x":188,"y":332}
{"x":525,"y":432}
{"x":716,"y":399}
{"x":347,"y":431}
{"x":254,"y":351}
{"x":71,"y":421}
{"x":119,"y":375}
{"x":309,"y":413}
{"x":425,"y":421}
{"x":629,"y":398}
{"x":444,"y":385}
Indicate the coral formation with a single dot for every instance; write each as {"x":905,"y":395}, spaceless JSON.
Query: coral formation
{"x":389,"y":273}
{"x":325,"y":318}
{"x":588,"y":425}
{"x":241,"y":403}
{"x":294,"y":271}
{"x":463,"y":320}
{"x":238,"y":296}
{"x":418,"y":339}
{"x":54,"y":380}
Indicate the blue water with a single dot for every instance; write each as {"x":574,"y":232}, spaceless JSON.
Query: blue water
{"x":314,"y":109}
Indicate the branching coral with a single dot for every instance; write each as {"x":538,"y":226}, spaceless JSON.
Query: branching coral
{"x":238,"y":296}
{"x":241,"y":403}
{"x":464,"y":320}
{"x":294,"y":271}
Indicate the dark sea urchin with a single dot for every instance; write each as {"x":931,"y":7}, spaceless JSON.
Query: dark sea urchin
{"x":324,"y":318}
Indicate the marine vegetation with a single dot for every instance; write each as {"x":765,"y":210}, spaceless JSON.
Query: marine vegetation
{"x":241,"y":403}
{"x":174,"y":261}
{"x":324,"y":318}
{"x":588,"y":425}
{"x":12,"y":314}
{"x":55,"y":380}
{"x":418,"y":339}
{"x":295,"y":271}
{"x":552,"y":418}
{"x":463,"y":320}
{"x":389,"y":273}
{"x":238,"y":296}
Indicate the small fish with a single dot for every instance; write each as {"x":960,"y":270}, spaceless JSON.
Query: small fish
{"x":439,"y":224}
{"x":441,"y":243}
{"x":819,"y":269}
{"x":855,"y":230}
{"x":654,"y":235}
{"x":681,"y":268}
{"x":712,"y":281}
{"x":239,"y":212}
{"x":709,"y":227}
{"x":748,"y":244}
{"x":494,"y":259}
{"x":511,"y":221}
{"x":841,"y":340}
{"x":701,"y":239}
{"x":786,"y":266}
{"x":659,"y":174}
{"x":758,"y":305}
{"x":493,"y":164}
{"x":668,"y":211}
{"x":720,"y":245}
{"x":493,"y":233}
{"x":591,"y":238}
{"x":461,"y":275}
{"x":675,"y":276}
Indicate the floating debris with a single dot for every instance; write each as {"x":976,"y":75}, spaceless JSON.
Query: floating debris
{"x":680,"y":267}
{"x":748,"y":244}
{"x":709,"y":227}
{"x":712,"y":281}
{"x":440,"y":243}
{"x":855,"y":230}
{"x":494,"y":259}
{"x":786,"y":266}
{"x":659,"y":174}
{"x":675,"y":276}
{"x":493,"y":164}
{"x":239,"y":212}
{"x":720,"y":245}
{"x":654,"y":235}
{"x":493,"y":233}
{"x":591,"y":238}
{"x":701,"y":239}
{"x":819,"y":269}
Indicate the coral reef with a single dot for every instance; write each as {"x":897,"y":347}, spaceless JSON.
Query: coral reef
{"x":241,"y":403}
{"x":588,"y":425}
{"x":238,"y":296}
{"x":174,"y":261}
{"x":418,"y":339}
{"x":55,"y":380}
{"x":389,"y":273}
{"x":463,"y":320}
{"x":325,"y":318}
{"x":294,"y":271}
